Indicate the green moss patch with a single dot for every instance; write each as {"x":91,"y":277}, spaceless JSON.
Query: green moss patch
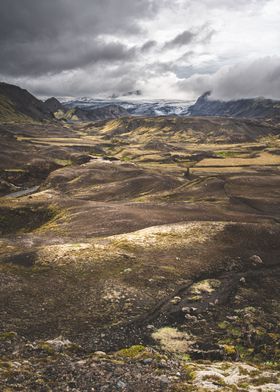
{"x":132,"y":352}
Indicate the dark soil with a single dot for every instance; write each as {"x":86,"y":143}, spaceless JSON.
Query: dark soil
{"x":75,"y":264}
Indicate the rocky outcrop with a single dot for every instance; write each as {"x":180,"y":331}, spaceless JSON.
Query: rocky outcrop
{"x":53,"y":105}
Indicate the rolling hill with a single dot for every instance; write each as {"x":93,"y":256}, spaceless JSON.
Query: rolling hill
{"x":182,"y":129}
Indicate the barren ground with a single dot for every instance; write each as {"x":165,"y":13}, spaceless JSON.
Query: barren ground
{"x":140,"y":253}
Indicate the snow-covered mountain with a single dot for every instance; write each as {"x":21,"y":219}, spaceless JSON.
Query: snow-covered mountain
{"x":134,"y":107}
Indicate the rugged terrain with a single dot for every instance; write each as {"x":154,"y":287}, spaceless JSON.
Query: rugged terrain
{"x":246,"y":108}
{"x":18,"y":105}
{"x":140,"y":253}
{"x":90,"y":114}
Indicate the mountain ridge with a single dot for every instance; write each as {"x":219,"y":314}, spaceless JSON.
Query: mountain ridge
{"x":19,"y":104}
{"x":245,"y":107}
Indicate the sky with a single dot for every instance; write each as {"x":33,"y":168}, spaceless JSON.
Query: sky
{"x":175,"y":49}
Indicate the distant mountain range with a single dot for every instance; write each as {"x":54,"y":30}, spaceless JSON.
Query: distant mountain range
{"x":204,"y":106}
{"x":247,"y":108}
{"x":139,"y":107}
{"x":17,"y":104}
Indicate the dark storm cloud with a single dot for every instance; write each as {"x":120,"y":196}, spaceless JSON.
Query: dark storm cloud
{"x":202,"y":35}
{"x":54,"y":35}
{"x":91,"y":81}
{"x":148,"y":45}
{"x":44,"y":57}
{"x":184,"y":38}
{"x":88,"y":47}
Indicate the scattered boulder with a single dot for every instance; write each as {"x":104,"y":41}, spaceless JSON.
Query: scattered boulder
{"x":176,"y":300}
{"x":100,"y":353}
{"x":256,"y":260}
{"x":59,"y":343}
{"x":191,"y":318}
{"x":121,"y":384}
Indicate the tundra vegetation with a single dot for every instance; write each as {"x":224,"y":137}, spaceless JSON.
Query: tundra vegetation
{"x":139,"y":253}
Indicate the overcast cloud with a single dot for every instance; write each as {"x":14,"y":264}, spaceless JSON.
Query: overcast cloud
{"x":177,"y":49}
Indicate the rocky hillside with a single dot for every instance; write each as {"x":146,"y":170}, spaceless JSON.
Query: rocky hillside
{"x":91,"y":114}
{"x":198,"y":129}
{"x":250,"y":108}
{"x":17,"y":104}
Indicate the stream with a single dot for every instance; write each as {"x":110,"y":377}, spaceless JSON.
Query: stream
{"x":23,"y":192}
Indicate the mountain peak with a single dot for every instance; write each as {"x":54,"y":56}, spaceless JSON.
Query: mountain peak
{"x":53,"y":104}
{"x":18,"y":104}
{"x":249,"y":107}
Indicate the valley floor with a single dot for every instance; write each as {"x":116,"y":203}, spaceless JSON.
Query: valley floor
{"x":140,"y":253}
